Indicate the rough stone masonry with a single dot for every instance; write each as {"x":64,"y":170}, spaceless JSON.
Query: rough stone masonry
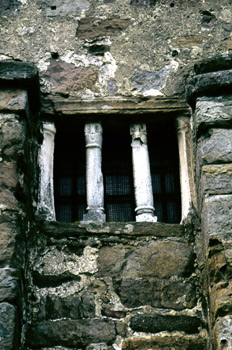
{"x":116,"y":285}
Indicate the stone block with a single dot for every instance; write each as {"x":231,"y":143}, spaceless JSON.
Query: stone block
{"x":217,"y":148}
{"x":13,"y":100}
{"x":65,"y":77}
{"x":71,"y":333}
{"x":166,"y":342}
{"x":222,"y":333}
{"x":9,"y":284}
{"x":8,"y":327}
{"x":9,"y":7}
{"x":9,"y":231}
{"x":72,"y":307}
{"x":220,"y":299}
{"x":12,"y":135}
{"x":154,"y":323}
{"x":161,"y":259}
{"x":217,"y":215}
{"x":211,"y":111}
{"x":216,"y":179}
{"x":177,"y":295}
{"x":91,"y":27}
{"x":8,"y":175}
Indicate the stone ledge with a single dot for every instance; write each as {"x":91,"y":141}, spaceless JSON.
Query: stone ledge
{"x":23,"y":75}
{"x":208,"y":84}
{"x":129,"y":229}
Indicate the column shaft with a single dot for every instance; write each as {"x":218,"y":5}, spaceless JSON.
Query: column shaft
{"x":46,"y":206}
{"x":142,"y":175}
{"x":94,"y":177}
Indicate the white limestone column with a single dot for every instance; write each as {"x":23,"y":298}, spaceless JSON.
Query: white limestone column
{"x":46,"y":206}
{"x":94,"y":177}
{"x":142,"y":175}
{"x":183,"y":130}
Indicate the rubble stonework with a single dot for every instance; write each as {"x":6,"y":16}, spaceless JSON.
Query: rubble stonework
{"x":110,"y":285}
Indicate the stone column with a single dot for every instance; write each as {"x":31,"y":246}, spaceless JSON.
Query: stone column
{"x":142,"y":175}
{"x":186,"y":171}
{"x":94,"y":178}
{"x":46,"y":206}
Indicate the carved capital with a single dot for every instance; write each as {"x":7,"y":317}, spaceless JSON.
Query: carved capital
{"x":93,"y":135}
{"x":183,"y":125}
{"x":49,"y":128}
{"x":138,"y":132}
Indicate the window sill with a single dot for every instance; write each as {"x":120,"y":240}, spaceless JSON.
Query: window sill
{"x":130,"y":229}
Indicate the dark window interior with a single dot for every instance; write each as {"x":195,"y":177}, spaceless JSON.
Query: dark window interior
{"x":117,"y":171}
{"x":69,"y":170}
{"x":164,"y":163}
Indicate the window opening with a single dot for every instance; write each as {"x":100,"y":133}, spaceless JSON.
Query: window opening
{"x":164,"y":163}
{"x":117,"y":170}
{"x":69,"y":172}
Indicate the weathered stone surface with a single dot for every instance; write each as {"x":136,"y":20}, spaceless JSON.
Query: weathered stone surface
{"x":161,"y":259}
{"x":157,"y":293}
{"x":9,"y":284}
{"x":66,"y":77}
{"x":13,"y":100}
{"x":209,"y":84}
{"x":145,"y":81}
{"x":17,"y":71}
{"x":213,"y":111}
{"x":220,"y":298}
{"x":8,"y":175}
{"x":72,"y":307}
{"x":216,"y":179}
{"x":9,"y":231}
{"x":9,"y":7}
{"x":213,"y":64}
{"x":157,"y":323}
{"x":217,"y":147}
{"x":71,"y":333}
{"x":222,"y":333}
{"x":132,"y":105}
{"x":66,"y":8}
{"x":8,"y":327}
{"x":133,"y":229}
{"x":217,"y":215}
{"x":12,"y":136}
{"x":167,"y":342}
{"x":8,"y":200}
{"x":91,"y":27}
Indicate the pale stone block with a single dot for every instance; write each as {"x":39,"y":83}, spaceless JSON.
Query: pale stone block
{"x":13,"y":100}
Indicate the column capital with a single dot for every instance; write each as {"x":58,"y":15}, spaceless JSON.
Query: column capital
{"x":49,"y":128}
{"x":93,"y":135}
{"x":138,"y":132}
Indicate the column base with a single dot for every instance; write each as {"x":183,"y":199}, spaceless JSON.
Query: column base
{"x":94,"y":215}
{"x":145,"y":214}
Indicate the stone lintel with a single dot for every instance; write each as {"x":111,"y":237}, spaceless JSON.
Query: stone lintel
{"x":132,"y":229}
{"x":121,"y":105}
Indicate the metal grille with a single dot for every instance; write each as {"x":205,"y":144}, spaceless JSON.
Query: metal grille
{"x":119,"y":212}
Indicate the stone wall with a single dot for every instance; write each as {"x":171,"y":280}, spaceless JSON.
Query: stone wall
{"x":115,"y":286}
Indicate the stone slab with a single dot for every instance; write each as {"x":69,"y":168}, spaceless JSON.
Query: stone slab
{"x":161,"y":259}
{"x":222,"y":333}
{"x":166,"y":342}
{"x":216,"y":179}
{"x":217,"y":215}
{"x":13,"y":100}
{"x":8,"y":327}
{"x":154,"y":323}
{"x":9,"y":284}
{"x":213,"y":111}
{"x":216,"y":148}
{"x":71,"y":333}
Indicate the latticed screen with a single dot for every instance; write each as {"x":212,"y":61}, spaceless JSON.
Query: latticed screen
{"x":164,"y":161}
{"x":117,"y":170}
{"x":69,"y":172}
